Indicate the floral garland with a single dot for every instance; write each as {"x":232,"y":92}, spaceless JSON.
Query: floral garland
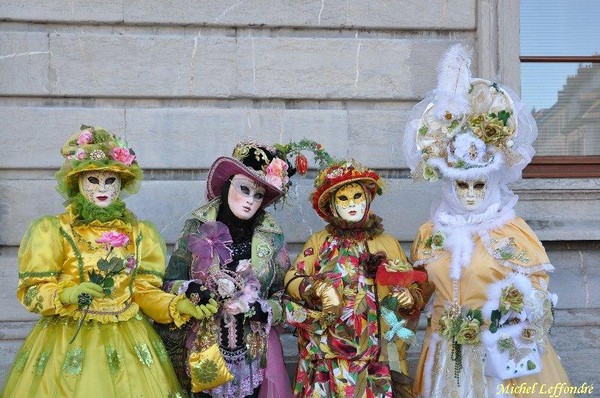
{"x":460,"y":327}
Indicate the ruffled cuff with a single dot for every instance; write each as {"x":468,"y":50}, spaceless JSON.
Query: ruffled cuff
{"x":60,"y":308}
{"x":178,"y":318}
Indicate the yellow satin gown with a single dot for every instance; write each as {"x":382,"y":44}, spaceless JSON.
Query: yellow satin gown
{"x":116,"y":353}
{"x":497,"y":253}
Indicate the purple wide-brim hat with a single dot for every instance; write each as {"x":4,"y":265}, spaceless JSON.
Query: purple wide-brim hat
{"x":225,"y":167}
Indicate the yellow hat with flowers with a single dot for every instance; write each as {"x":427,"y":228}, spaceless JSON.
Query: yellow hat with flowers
{"x":94,"y":148}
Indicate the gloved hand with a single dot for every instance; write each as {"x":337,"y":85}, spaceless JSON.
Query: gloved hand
{"x":329,"y":297}
{"x":259,"y":315}
{"x":70,"y":295}
{"x":405,"y":298}
{"x":197,"y":293}
{"x":186,"y":307}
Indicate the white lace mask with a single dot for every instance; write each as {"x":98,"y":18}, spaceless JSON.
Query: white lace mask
{"x":470,"y":194}
{"x":100,"y":187}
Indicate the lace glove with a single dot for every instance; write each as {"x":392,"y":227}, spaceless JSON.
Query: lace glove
{"x":202,"y":311}
{"x":70,"y":295}
{"x":197,"y":293}
{"x":258,"y":315}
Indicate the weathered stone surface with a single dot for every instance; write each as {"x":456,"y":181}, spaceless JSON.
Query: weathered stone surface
{"x":375,"y":137}
{"x":24,"y":60}
{"x":173,"y":137}
{"x":12,"y":309}
{"x":91,"y":64}
{"x":116,"y":65}
{"x":45,"y":129}
{"x":437,"y":14}
{"x":63,"y":11}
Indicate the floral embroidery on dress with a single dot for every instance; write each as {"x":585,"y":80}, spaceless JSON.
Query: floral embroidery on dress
{"x":506,"y":249}
{"x":74,"y":361}
{"x":143,"y":354}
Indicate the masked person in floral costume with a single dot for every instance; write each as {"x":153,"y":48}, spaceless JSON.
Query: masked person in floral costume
{"x":94,"y":273}
{"x":350,"y":290}
{"x":487,"y":267}
{"x":233,"y":251}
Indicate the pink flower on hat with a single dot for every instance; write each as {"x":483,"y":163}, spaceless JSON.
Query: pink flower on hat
{"x":276,"y":173}
{"x":80,"y":154}
{"x":85,"y":137}
{"x":122,"y":155}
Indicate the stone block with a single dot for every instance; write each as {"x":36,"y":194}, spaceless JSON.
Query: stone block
{"x":45,"y":129}
{"x":438,"y":14}
{"x":12,"y":309}
{"x":62,"y":11}
{"x":94,"y":64}
{"x":24,"y":61}
{"x":375,"y":137}
{"x":190,"y":138}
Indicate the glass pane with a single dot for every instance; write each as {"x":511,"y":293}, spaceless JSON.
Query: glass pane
{"x":560,"y":27}
{"x":565,"y":101}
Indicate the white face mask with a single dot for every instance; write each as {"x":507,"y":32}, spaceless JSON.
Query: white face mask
{"x":350,"y":202}
{"x":100,"y":187}
{"x":470,"y":194}
{"x":245,"y":197}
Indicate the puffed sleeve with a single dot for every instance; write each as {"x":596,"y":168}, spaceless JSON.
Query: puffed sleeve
{"x":296,"y":312}
{"x":178,"y":269}
{"x":147,"y":293}
{"x":281,"y":263}
{"x":304,"y":265}
{"x":41,"y":259}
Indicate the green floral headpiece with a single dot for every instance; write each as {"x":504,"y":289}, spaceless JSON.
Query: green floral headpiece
{"x":94,"y":148}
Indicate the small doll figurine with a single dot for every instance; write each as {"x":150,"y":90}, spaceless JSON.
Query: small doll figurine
{"x":490,"y":314}
{"x":351,"y":292}
{"x":233,"y":251}
{"x":94,"y":274}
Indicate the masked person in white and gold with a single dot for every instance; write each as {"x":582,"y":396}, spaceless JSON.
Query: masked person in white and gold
{"x":94,"y":274}
{"x":490,"y":314}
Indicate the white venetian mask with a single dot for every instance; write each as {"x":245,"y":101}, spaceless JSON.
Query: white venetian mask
{"x":100,"y":187}
{"x":470,"y":194}
{"x":245,"y":197}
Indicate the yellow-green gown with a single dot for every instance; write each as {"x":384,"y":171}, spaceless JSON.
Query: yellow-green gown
{"x":117,"y":353}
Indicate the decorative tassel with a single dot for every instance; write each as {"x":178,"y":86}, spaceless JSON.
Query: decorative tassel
{"x":454,"y":83}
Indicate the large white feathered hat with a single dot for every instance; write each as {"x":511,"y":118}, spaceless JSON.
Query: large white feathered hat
{"x":468,"y":127}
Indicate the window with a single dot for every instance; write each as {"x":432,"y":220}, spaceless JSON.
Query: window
{"x":560,"y":81}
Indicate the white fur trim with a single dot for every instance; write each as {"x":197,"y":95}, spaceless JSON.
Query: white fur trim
{"x":453,"y":173}
{"x":428,"y":367}
{"x":459,"y":230}
{"x":425,"y":261}
{"x":519,"y":281}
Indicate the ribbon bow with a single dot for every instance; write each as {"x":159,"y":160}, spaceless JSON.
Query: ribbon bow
{"x":211,"y":239}
{"x":397,"y":327}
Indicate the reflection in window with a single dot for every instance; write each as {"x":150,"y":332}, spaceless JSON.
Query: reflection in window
{"x":560,"y":74}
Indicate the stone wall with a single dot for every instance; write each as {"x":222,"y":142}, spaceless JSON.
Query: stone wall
{"x":184,"y":80}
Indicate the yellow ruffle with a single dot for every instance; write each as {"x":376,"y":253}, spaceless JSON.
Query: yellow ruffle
{"x":178,"y":318}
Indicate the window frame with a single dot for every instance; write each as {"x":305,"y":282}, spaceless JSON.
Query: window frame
{"x":562,"y":166}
